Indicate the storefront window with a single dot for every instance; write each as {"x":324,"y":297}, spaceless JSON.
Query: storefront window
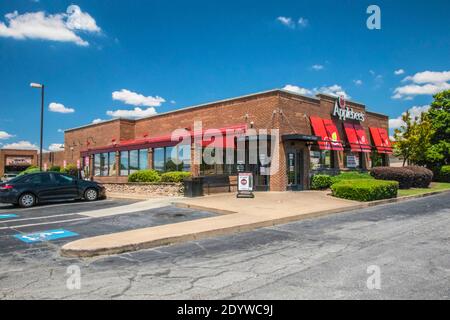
{"x":143,"y":159}
{"x":321,"y":159}
{"x":377,"y":160}
{"x":112,"y":163}
{"x":97,"y":165}
{"x":158,"y":159}
{"x":103,"y":164}
{"x":124,"y":167}
{"x":134,"y":161}
{"x":353,"y":160}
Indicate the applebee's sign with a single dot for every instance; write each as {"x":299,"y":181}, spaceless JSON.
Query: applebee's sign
{"x":343,"y":112}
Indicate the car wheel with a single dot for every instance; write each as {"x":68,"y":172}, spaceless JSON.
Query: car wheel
{"x":27,"y":200}
{"x":91,"y":194}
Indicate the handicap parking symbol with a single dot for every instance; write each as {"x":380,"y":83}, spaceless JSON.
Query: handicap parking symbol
{"x":8,"y":216}
{"x":45,"y":235}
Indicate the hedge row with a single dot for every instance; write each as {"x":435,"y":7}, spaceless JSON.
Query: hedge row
{"x":444,"y":174}
{"x":324,"y":181}
{"x":365,"y":189}
{"x":154,"y":176}
{"x":407,"y":177}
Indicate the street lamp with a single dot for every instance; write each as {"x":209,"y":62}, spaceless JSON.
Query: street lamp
{"x":40,"y":86}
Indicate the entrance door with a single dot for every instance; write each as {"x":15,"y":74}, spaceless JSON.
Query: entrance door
{"x":294,"y":170}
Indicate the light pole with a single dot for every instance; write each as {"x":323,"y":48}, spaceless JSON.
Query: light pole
{"x":40,"y":86}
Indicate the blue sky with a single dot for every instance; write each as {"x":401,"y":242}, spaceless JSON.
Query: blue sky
{"x":99,"y":55}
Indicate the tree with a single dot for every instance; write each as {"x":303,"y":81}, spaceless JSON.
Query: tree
{"x":439,"y":116}
{"x":413,"y":139}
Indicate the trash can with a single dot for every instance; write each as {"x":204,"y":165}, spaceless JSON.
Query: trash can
{"x":193,"y":187}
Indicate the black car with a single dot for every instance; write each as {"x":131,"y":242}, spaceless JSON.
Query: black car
{"x":28,"y":190}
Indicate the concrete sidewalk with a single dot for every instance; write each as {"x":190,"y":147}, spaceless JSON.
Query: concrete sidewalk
{"x":238,"y":215}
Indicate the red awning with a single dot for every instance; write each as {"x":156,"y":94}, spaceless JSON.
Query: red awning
{"x":321,"y":131}
{"x":352,"y":137}
{"x":381,"y":140}
{"x":362,"y":138}
{"x":333,"y":135}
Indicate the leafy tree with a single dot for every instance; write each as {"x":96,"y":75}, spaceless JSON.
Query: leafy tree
{"x":413,"y":139}
{"x":439,"y":117}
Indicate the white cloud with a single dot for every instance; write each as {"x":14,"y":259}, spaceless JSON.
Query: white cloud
{"x":334,"y":90}
{"x":56,"y":147}
{"x":21,"y":145}
{"x":136,"y":99}
{"x":5,"y":135}
{"x":59,"y":108}
{"x":303,"y":22}
{"x":317,"y":67}
{"x":59,"y":27}
{"x":415,"y":113}
{"x":399,"y":72}
{"x":358,"y":82}
{"x":429,"y":77}
{"x":78,"y":20}
{"x":298,"y":90}
{"x":423,"y":83}
{"x":409,"y":91}
{"x":60,"y":130}
{"x":286,"y":21}
{"x":98,"y":120}
{"x":132,"y":114}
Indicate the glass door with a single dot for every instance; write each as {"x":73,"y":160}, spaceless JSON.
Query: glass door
{"x":294,"y":163}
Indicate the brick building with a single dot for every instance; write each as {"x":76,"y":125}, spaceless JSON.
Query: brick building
{"x":316,"y":134}
{"x":14,"y":161}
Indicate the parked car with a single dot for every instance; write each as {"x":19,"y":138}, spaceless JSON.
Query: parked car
{"x":8,"y":176}
{"x":28,"y":190}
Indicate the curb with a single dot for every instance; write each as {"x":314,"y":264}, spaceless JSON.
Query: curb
{"x":71,"y":253}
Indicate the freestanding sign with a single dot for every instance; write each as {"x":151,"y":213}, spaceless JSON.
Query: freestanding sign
{"x":245,"y":185}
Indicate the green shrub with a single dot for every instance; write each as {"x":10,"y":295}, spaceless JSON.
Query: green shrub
{"x":71,"y":170}
{"x":422,"y":176}
{"x":55,"y":169}
{"x":144,"y":176}
{"x":321,"y":182}
{"x":175,"y":176}
{"x":365,"y":189}
{"x":30,"y":169}
{"x":405,"y":177}
{"x":351,"y":175}
{"x":444,"y":174}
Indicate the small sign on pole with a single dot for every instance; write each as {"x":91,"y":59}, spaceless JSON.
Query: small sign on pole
{"x":64,"y":164}
{"x":45,"y":167}
{"x":78,"y":164}
{"x":245,"y":185}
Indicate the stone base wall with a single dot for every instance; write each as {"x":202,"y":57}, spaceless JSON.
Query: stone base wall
{"x":148,"y":189}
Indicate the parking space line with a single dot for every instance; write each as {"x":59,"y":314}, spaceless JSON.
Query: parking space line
{"x":44,"y":223}
{"x":54,"y":206}
{"x":37,"y":218}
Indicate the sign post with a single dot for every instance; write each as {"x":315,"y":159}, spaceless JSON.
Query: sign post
{"x":245,"y":185}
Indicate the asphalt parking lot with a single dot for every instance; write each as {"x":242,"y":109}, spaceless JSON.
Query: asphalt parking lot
{"x":64,"y":222}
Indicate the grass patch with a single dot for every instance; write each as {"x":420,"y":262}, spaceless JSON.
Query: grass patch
{"x":435,"y":186}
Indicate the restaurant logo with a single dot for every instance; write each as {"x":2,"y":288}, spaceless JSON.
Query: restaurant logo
{"x":343,"y":112}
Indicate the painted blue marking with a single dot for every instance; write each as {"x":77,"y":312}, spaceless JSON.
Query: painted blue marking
{"x":8,"y":216}
{"x":45,"y":235}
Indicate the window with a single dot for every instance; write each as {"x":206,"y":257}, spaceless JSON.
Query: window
{"x":38,"y":179}
{"x":143,"y":159}
{"x":353,"y":160}
{"x":124,"y":167}
{"x":97,"y":171}
{"x":321,"y":159}
{"x":104,"y":164}
{"x":134,"y":161}
{"x":63,"y":179}
{"x":377,"y":160}
{"x":158,"y":159}
{"x":112,"y":163}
